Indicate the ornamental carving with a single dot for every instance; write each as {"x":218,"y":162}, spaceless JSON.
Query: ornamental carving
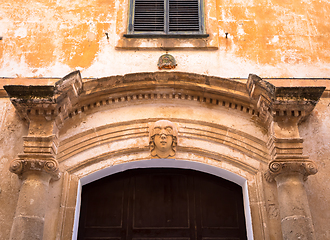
{"x":304,"y":167}
{"x":28,"y":162}
{"x":166,"y":61}
{"x":163,"y":139}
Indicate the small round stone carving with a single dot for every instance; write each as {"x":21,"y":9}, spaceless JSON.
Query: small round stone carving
{"x":311,"y":168}
{"x":166,"y":61}
{"x":16,"y":166}
{"x":50,"y":166}
{"x":275,"y":167}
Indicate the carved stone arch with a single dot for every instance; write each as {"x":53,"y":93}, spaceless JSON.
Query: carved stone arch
{"x":80,"y":127}
{"x":83,"y":157}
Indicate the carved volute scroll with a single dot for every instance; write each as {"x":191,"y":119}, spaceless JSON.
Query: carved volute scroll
{"x":303,"y":167}
{"x":163,"y":136}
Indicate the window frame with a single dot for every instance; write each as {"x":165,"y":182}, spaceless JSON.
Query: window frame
{"x":166,"y":33}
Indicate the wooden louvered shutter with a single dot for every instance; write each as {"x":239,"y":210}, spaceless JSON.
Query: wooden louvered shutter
{"x":166,"y":18}
{"x":149,"y":16}
{"x":183,"y":16}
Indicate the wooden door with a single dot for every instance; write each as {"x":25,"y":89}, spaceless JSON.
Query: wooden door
{"x":162,"y":204}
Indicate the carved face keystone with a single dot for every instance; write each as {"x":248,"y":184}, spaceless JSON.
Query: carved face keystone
{"x":163,"y":139}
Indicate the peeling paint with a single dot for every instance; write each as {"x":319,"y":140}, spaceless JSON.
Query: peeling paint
{"x":49,"y":39}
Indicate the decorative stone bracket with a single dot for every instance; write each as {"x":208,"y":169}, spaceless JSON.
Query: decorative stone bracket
{"x":282,"y":109}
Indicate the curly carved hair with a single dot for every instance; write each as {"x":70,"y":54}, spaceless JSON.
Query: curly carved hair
{"x":153,"y":146}
{"x":173,"y":134}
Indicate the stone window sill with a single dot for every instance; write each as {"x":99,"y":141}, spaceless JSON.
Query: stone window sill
{"x":202,"y":42}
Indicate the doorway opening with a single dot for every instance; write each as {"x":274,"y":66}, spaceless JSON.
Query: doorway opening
{"x":162,"y":203}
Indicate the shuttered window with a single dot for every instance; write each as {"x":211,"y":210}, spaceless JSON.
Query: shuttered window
{"x":166,"y":18}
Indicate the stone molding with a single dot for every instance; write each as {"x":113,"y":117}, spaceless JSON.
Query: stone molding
{"x":35,"y":162}
{"x":174,"y":87}
{"x":138,"y":129}
{"x":262,"y":94}
{"x":285,"y":147}
{"x":70,"y":96}
{"x":41,"y":144}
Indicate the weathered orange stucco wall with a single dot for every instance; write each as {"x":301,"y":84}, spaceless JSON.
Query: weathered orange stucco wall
{"x":272,"y":38}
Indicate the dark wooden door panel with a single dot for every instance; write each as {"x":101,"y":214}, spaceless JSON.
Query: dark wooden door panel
{"x":160,"y":201}
{"x":218,"y":204}
{"x":102,"y":238}
{"x":162,"y":204}
{"x":105,"y":205}
{"x":225,"y":238}
{"x":161,"y":238}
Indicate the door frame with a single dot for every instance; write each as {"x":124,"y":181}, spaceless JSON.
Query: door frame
{"x":166,"y":163}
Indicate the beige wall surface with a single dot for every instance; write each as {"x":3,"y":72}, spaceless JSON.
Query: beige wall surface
{"x":315,"y":131}
{"x":270,"y":38}
{"x":11,"y":131}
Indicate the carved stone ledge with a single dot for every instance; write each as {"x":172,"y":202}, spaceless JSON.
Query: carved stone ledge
{"x":49,"y":102}
{"x":304,"y":167}
{"x":282,"y":103}
{"x":35,"y":162}
{"x":295,"y":102}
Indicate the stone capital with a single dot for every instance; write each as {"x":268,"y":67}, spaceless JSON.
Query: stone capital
{"x":304,"y":167}
{"x":35,"y":163}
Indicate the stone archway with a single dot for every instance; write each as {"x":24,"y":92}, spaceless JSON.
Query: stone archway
{"x":77,"y":128}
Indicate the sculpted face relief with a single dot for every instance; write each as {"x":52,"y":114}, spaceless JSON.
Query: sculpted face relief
{"x":163,"y":139}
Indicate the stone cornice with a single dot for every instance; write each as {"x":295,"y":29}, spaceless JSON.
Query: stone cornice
{"x":69,"y":96}
{"x":295,"y":102}
{"x":282,"y":103}
{"x":50,"y":102}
